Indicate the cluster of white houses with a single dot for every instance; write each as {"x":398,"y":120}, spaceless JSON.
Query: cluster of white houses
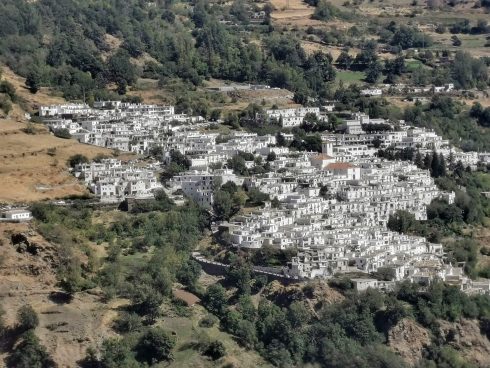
{"x":333,"y":207}
{"x":407,"y":89}
{"x":295,"y":116}
{"x":117,"y":125}
{"x":113,"y":181}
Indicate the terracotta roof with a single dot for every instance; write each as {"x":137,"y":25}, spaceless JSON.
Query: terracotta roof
{"x":188,"y":298}
{"x":340,"y":166}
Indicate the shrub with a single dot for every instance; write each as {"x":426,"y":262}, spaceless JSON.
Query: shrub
{"x":62,"y":133}
{"x":215,"y":350}
{"x":29,"y":129}
{"x":77,"y":159}
{"x":128,"y":322}
{"x":5,"y":105}
{"x":27,"y":318}
{"x":9,"y":89}
{"x":208,"y":321}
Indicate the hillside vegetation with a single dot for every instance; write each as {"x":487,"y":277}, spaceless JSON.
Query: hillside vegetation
{"x":99,"y":288}
{"x":99,"y":49}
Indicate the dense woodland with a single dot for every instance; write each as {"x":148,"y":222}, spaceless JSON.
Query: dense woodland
{"x":72,"y":46}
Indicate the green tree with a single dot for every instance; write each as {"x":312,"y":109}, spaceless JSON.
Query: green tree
{"x":33,"y":81}
{"x":116,"y":353}
{"x":223,"y":205}
{"x":246,"y":334}
{"x":62,"y":133}
{"x":215,"y":299}
{"x":120,"y":69}
{"x":146,"y":301}
{"x":344,"y":61}
{"x":29,"y":353}
{"x":155,"y":346}
{"x":401,"y":221}
{"x":9,"y":89}
{"x":373,"y":72}
{"x":77,"y":159}
{"x":325,"y":11}
{"x":189,"y":273}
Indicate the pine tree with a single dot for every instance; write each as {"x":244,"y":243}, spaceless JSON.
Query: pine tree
{"x":451,"y":160}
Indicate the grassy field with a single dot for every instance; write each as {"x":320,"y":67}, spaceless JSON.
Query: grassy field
{"x":350,"y":77}
{"x":412,"y":65}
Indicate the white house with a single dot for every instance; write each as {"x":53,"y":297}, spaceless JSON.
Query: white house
{"x":17,"y":215}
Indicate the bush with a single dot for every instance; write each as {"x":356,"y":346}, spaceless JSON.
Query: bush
{"x":128,"y":322}
{"x":208,"y":321}
{"x":77,"y":159}
{"x":215,"y":350}
{"x":5,"y":105}
{"x":341,"y":283}
{"x":27,"y":318}
{"x":9,"y":89}
{"x":30,"y":129}
{"x":62,"y":133}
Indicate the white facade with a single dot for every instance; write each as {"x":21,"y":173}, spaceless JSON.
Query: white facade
{"x":17,"y":214}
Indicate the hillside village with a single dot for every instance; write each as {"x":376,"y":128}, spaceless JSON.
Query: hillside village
{"x":332,"y":207}
{"x":245,"y":184}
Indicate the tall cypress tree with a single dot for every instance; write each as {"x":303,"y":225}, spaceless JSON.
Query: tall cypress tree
{"x":442,"y":165}
{"x":419,"y":161}
{"x":428,"y":161}
{"x":434,"y":167}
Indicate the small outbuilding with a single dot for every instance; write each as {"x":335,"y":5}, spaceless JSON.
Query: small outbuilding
{"x":17,"y":215}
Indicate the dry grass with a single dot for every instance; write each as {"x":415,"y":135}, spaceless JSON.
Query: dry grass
{"x":66,"y":330}
{"x":28,"y":173}
{"x":484,"y":101}
{"x":45,"y":96}
{"x":311,"y":47}
{"x":281,"y":5}
{"x":148,"y":90}
{"x":293,"y":13}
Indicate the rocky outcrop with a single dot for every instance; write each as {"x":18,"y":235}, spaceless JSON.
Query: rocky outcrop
{"x":315,"y":293}
{"x":22,"y":244}
{"x":466,"y":338}
{"x":409,"y":339}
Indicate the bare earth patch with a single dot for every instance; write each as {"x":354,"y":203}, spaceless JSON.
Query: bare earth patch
{"x":33,"y":167}
{"x":65,"y":328}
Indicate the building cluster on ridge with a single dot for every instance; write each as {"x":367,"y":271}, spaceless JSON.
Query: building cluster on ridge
{"x":332,"y":207}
